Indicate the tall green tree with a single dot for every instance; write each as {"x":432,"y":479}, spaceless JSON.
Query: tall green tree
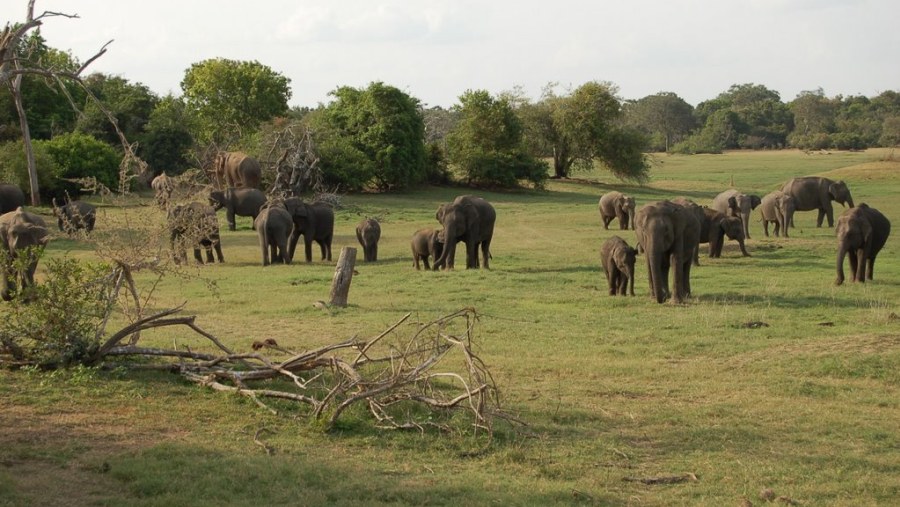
{"x":130,"y":103}
{"x":748,"y":115}
{"x":583,"y":128}
{"x":166,"y":139}
{"x":486,"y":143}
{"x":381,"y":125}
{"x":664,"y":117}
{"x":230,"y":98}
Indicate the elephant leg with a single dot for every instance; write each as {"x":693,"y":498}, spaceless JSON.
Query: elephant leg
{"x":486,"y":253}
{"x":197,"y":255}
{"x":322,"y":249}
{"x":606,"y":221}
{"x":292,"y":242}
{"x":851,"y":254}
{"x":307,"y":245}
{"x":471,"y":255}
{"x":218,"y":248}
{"x":229,"y":215}
{"x":870,"y":266}
{"x":862,"y":260}
{"x":820,"y":217}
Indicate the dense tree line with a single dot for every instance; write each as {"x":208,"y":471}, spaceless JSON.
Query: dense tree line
{"x":380,"y":137}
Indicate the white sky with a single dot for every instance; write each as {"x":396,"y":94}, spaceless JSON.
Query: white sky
{"x":435,"y":50}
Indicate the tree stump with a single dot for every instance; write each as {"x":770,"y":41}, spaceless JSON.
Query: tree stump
{"x":343,"y":274}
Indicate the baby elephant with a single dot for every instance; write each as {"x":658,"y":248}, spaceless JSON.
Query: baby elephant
{"x":195,"y":224}
{"x":368,"y":232}
{"x":618,"y":259}
{"x":74,"y":216}
{"x":426,"y":242}
{"x":273,"y":226}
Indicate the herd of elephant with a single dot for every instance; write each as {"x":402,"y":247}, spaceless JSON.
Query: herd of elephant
{"x":670,"y":232}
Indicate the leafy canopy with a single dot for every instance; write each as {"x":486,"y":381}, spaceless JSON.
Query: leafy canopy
{"x":486,"y":144}
{"x":229,"y":96}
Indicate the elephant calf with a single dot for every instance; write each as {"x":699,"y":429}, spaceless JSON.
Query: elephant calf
{"x":617,"y":205}
{"x":194,"y":223}
{"x":426,"y":242}
{"x":75,"y":215}
{"x":245,"y":202}
{"x":862,"y":232}
{"x":777,"y":208}
{"x":273,"y":225}
{"x":617,"y":259}
{"x":368,"y":232}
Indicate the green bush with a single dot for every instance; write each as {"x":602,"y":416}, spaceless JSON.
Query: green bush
{"x":14,"y":168}
{"x":848,"y":141}
{"x":81,"y":156}
{"x":56,"y":323}
{"x":503,"y":168}
{"x":816,"y":141}
{"x":701,"y":142}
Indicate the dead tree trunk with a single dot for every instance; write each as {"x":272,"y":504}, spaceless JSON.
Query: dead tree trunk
{"x":343,"y":274}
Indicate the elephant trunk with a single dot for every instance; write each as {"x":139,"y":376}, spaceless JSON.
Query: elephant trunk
{"x":630,"y":220}
{"x":849,"y":201}
{"x":745,"y":220}
{"x":629,"y":270}
{"x":744,"y":251}
{"x":446,"y":256}
{"x":842,"y":252}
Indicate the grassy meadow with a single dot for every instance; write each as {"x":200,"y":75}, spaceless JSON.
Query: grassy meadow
{"x":806,"y":404}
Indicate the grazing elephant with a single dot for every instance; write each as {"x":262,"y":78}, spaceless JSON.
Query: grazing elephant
{"x":235,"y":169}
{"x":21,"y":233}
{"x":734,"y":203}
{"x":75,"y":215}
{"x":11,"y":197}
{"x":471,"y":220}
{"x":368,"y":232}
{"x":273,"y":225}
{"x":245,"y":202}
{"x":861,"y":233}
{"x":163,"y":186}
{"x":315,"y":222}
{"x":668,"y":234}
{"x":617,"y":205}
{"x":716,"y":226}
{"x":617,"y":259}
{"x":777,"y":208}
{"x":426,"y":242}
{"x":815,"y":192}
{"x":195,"y":224}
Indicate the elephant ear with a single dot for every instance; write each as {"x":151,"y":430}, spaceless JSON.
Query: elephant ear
{"x":473,"y":222}
{"x":732,"y":203}
{"x":755,"y":201}
{"x":439,"y":215}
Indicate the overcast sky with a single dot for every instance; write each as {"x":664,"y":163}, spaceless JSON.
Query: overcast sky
{"x":435,"y":50}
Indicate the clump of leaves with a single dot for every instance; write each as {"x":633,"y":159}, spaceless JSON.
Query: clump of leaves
{"x":60,"y":321}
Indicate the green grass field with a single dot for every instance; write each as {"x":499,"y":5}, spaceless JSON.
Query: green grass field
{"x":611,"y":388}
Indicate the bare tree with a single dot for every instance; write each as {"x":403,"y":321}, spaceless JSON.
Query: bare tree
{"x":13,"y":67}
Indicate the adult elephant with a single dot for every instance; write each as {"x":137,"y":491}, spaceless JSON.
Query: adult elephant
{"x":734,"y":203}
{"x":861,"y":233}
{"x":471,"y":220}
{"x":368,"y":232}
{"x":273,"y":225}
{"x":236,"y":169}
{"x":777,"y":208}
{"x":816,"y":193}
{"x":617,"y":205}
{"x":668,"y":234}
{"x":617,"y":259}
{"x":245,"y":202}
{"x":75,"y":215}
{"x":426,"y":242}
{"x":21,"y":233}
{"x":315,"y":222}
{"x":11,"y":197}
{"x":194,"y":224}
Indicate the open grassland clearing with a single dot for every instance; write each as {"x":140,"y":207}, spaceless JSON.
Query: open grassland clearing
{"x":769,"y":377}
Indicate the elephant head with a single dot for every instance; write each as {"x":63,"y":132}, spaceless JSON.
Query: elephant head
{"x":624,"y":258}
{"x":854,"y":232}
{"x":741,"y":205}
{"x":625,"y":207}
{"x":21,"y":233}
{"x":668,"y":234}
{"x":839,"y":192}
{"x":460,"y":221}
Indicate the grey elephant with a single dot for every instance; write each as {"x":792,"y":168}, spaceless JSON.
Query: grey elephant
{"x":862,"y":232}
{"x":235,"y":169}
{"x":197,"y":225}
{"x":816,"y":193}
{"x":74,"y":216}
{"x":245,"y":202}
{"x":315,"y":222}
{"x":11,"y":197}
{"x":617,"y":259}
{"x":617,"y":205}
{"x":21,"y":233}
{"x":273,"y":226}
{"x":471,"y":220}
{"x":162,"y":186}
{"x":426,"y":242}
{"x":777,"y":208}
{"x":734,"y":203}
{"x":716,"y":226}
{"x":668,"y":234}
{"x":368,"y":232}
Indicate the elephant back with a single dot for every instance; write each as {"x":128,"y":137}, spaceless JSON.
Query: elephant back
{"x":11,"y":197}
